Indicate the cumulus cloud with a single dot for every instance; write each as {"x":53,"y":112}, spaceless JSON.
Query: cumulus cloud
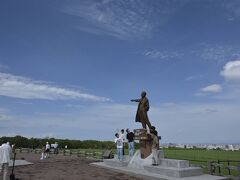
{"x":231,"y":71}
{"x":25,"y":88}
{"x":230,"y":87}
{"x":214,"y":88}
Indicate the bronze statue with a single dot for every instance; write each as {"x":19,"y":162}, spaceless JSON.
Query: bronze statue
{"x":143,"y":107}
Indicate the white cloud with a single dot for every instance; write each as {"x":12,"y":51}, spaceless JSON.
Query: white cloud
{"x":24,"y":103}
{"x":231,"y":92}
{"x":4,"y":117}
{"x":175,"y":123}
{"x":231,"y":74}
{"x":191,"y":119}
{"x":205,"y":51}
{"x":98,"y":121}
{"x":4,"y":110}
{"x":169,"y":104}
{"x":122,"y":19}
{"x":232,"y":10}
{"x":136,"y":18}
{"x":231,"y":71}
{"x":21,"y":87}
{"x":74,"y":105}
{"x":163,"y":55}
{"x":194,"y":77}
{"x":214,"y":88}
{"x":230,"y":87}
{"x":215,"y":52}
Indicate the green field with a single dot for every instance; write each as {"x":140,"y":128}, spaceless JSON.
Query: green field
{"x":203,"y":157}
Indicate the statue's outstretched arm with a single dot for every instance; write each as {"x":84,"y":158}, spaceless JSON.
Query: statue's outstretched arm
{"x":135,"y":100}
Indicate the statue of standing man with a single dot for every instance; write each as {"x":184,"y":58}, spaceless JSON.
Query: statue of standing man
{"x":143,"y":107}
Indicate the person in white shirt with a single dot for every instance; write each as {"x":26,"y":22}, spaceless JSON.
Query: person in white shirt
{"x":5,"y":153}
{"x":43,"y":155}
{"x":122,"y":135}
{"x":47,"y":150}
{"x":56,"y":148}
{"x":119,"y":142}
{"x":155,"y":146}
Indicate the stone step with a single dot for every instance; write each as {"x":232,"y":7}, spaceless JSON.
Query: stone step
{"x":174,"y":163}
{"x":174,"y":172}
{"x":125,"y":157}
{"x":116,"y":162}
{"x":19,"y":162}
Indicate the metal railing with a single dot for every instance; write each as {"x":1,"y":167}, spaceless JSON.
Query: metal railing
{"x":227,"y":168}
{"x":224,"y":167}
{"x":67,"y":152}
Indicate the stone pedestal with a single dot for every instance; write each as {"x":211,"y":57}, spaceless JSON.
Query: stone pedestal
{"x":168,"y":169}
{"x":174,"y":168}
{"x":138,"y":163}
{"x":145,"y":142}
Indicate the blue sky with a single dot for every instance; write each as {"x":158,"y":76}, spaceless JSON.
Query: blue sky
{"x":68,"y":69}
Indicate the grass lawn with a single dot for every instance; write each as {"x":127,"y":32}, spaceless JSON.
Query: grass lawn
{"x":202,"y":157}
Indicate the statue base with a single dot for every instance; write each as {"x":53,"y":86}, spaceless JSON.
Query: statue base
{"x":168,"y":169}
{"x":145,"y":142}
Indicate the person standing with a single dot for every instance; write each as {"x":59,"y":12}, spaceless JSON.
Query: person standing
{"x":47,"y":149}
{"x":155,"y":146}
{"x":5,"y":153}
{"x":143,"y":107}
{"x":56,"y":148}
{"x":122,"y":135}
{"x":130,"y":138}
{"x":43,"y":155}
{"x":119,"y":142}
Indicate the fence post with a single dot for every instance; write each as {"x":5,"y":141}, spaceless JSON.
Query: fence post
{"x":219,"y":168}
{"x":210,"y":170}
{"x":229,"y":170}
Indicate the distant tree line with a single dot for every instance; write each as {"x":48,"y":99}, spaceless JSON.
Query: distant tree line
{"x":23,"y":142}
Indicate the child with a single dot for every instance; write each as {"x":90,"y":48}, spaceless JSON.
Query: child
{"x":119,"y":142}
